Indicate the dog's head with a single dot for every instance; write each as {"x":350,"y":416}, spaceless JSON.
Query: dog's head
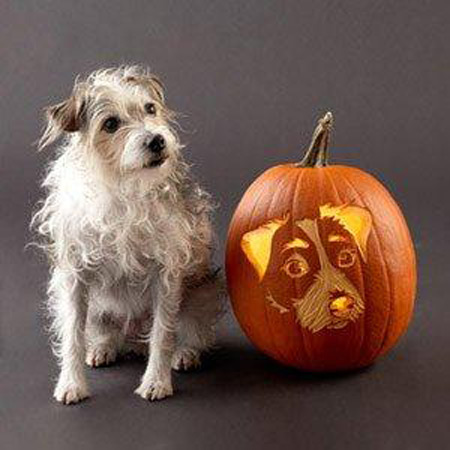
{"x":120,"y":117}
{"x":319,"y":257}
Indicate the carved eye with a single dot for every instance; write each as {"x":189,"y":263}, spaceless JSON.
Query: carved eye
{"x":347,"y":257}
{"x":111,"y":124}
{"x":150,"y":108}
{"x":296,"y":267}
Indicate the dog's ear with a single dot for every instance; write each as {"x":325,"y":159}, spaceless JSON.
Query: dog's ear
{"x":150,"y":82}
{"x":65,"y":117}
{"x":157,"y":86}
{"x":257,"y":244}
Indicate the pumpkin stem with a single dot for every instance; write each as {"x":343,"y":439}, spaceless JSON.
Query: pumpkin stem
{"x":317,"y":153}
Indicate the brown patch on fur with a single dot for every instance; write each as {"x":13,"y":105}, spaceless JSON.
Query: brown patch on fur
{"x":150,"y":82}
{"x":69,"y":115}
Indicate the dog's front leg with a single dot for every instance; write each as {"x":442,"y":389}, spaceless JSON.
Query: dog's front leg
{"x":157,"y":380}
{"x":68,"y":305}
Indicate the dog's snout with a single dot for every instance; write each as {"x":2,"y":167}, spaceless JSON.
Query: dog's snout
{"x":156,"y":144}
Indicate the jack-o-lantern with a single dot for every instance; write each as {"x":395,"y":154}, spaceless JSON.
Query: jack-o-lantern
{"x":320,"y":263}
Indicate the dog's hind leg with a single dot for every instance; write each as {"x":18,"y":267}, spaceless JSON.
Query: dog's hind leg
{"x":104,"y":339}
{"x":199,"y":313}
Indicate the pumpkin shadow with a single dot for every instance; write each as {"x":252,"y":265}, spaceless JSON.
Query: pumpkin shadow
{"x":242,"y":367}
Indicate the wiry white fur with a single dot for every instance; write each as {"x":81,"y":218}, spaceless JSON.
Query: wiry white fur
{"x":130,"y":247}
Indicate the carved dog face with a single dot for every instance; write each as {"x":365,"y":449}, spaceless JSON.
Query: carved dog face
{"x":319,"y":256}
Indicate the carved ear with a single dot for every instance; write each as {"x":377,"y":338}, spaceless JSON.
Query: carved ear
{"x":257,"y":244}
{"x":67,"y":116}
{"x":356,"y":220}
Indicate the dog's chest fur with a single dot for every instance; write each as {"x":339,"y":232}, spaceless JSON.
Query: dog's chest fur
{"x":134,"y":239}
{"x":120,"y":239}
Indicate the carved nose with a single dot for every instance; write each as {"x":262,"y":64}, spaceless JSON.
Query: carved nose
{"x":342,"y":306}
{"x":157,"y":144}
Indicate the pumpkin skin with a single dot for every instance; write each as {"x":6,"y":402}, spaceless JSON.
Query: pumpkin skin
{"x":320,"y":264}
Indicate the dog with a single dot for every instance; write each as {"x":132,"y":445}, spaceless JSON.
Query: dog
{"x":311,"y":266}
{"x":128,"y":233}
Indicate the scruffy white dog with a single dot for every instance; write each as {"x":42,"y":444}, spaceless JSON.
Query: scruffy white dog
{"x":128,"y":234}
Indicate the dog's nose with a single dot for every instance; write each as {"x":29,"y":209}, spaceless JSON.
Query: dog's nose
{"x":157,"y":144}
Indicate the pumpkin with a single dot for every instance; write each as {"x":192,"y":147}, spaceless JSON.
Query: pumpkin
{"x":320,"y":263}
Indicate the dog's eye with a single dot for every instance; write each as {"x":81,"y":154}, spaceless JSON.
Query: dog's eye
{"x":295,"y":267}
{"x":111,"y":124}
{"x":347,"y":257}
{"x":150,"y":108}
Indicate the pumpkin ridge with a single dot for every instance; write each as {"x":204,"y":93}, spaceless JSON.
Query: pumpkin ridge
{"x":320,"y":191}
{"x":392,"y":333}
{"x":361,"y":275}
{"x":283,"y":180}
{"x":255,"y":203}
{"x":250,"y":217}
{"x":298,"y":352}
{"x":385,"y":269}
{"x":250,"y":225}
{"x":300,"y":177}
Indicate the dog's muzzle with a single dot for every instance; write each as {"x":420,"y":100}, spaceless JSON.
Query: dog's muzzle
{"x":156,"y":146}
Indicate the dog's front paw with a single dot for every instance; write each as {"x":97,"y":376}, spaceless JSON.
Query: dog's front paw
{"x":155,"y":390}
{"x":101,"y":355}
{"x":70,"y":394}
{"x":186,"y":359}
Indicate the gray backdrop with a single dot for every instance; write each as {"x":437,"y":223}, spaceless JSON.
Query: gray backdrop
{"x":251,"y":77}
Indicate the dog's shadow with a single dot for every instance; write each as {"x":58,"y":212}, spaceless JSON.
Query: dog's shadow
{"x":233,"y":369}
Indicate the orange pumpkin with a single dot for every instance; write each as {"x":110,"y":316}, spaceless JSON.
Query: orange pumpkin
{"x":320,"y":264}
